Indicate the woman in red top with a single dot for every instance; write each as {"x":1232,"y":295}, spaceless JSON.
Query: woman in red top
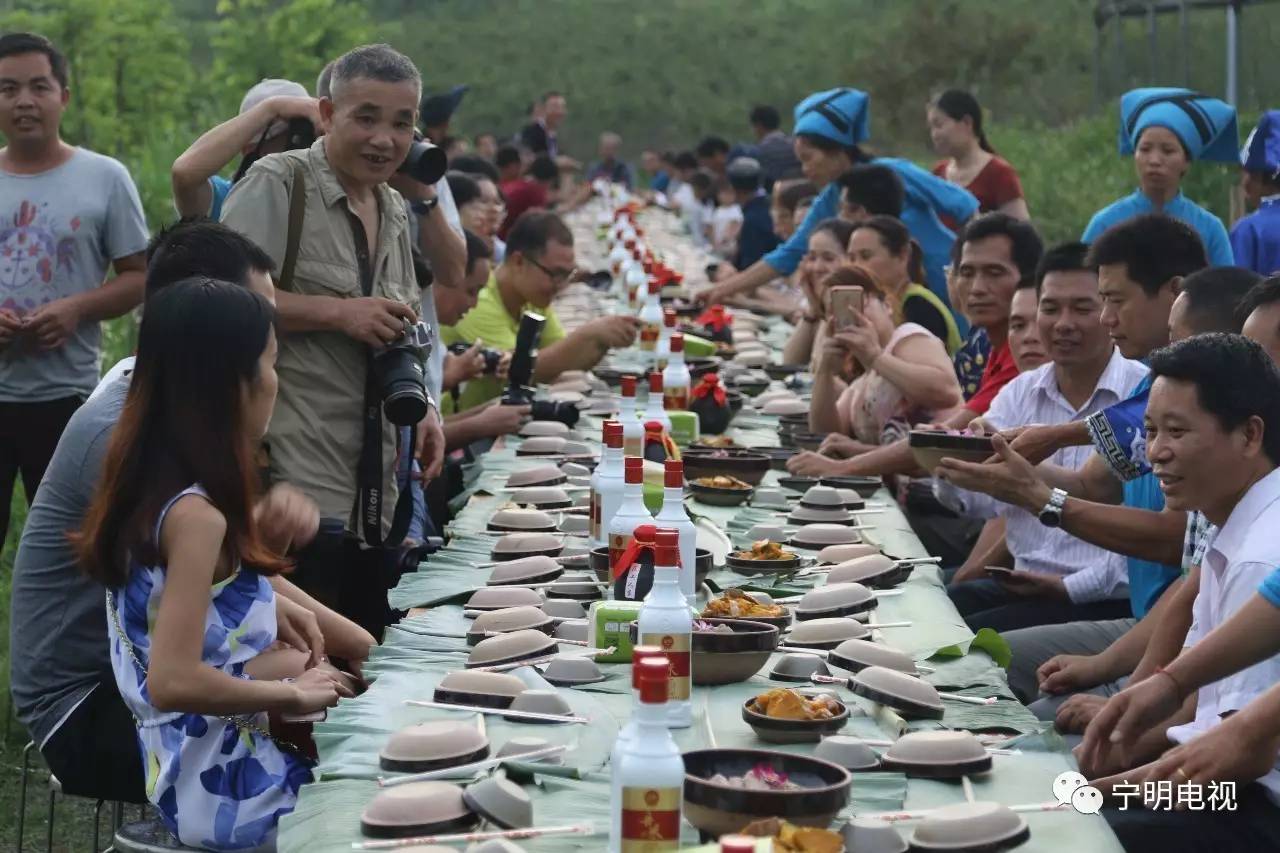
{"x":955,"y":126}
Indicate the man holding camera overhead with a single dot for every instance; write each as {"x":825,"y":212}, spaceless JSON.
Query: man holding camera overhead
{"x":350,"y":363}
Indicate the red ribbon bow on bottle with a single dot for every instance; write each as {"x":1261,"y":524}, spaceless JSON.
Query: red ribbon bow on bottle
{"x":640,"y":542}
{"x":716,"y":317}
{"x":710,"y":387}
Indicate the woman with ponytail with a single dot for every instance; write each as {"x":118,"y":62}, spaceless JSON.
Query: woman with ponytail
{"x":955,"y":126}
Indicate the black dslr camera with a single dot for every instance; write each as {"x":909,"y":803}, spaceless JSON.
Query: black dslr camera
{"x":398,"y":369}
{"x":425,"y":163}
{"x":491,"y":356}
{"x":520,"y":375}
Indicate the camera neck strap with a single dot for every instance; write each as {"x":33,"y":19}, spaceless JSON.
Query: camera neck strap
{"x":370,"y":471}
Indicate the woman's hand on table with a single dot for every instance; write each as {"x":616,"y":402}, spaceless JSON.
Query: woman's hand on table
{"x":840,"y":446}
{"x":315,"y":690}
{"x":809,"y":464}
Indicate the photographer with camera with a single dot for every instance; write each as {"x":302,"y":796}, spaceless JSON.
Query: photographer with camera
{"x":539,"y":263}
{"x":275,"y":116}
{"x":350,"y":348}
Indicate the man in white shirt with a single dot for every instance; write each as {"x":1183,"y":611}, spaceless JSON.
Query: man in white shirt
{"x":1057,"y":577}
{"x":1213,"y":440}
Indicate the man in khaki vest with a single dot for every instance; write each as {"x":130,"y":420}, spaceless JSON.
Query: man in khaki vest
{"x":355,"y":240}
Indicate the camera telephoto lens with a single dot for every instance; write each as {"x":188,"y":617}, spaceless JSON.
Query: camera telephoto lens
{"x":404,"y":392}
{"x":548,"y":410}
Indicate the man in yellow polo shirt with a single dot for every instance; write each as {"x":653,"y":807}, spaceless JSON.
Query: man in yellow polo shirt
{"x":539,"y":263}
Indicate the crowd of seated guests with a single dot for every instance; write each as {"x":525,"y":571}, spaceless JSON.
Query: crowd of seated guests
{"x":1119,"y":538}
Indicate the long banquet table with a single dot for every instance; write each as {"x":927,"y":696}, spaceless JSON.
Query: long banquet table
{"x":427,"y":644}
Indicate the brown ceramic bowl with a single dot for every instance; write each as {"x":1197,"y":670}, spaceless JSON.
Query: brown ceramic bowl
{"x":727,"y":658}
{"x":778,"y":730}
{"x":747,"y":465}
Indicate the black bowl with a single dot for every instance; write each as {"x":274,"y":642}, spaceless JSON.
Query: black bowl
{"x":798,"y":484}
{"x":761,"y":567}
{"x":749,"y":635}
{"x":747,"y":465}
{"x":717,"y":810}
{"x":718,"y":496}
{"x":751,"y":387}
{"x":736,"y":400}
{"x":600,"y":280}
{"x":776,"y":730}
{"x":864,"y":486}
{"x":720,"y":658}
{"x":598,"y":561}
{"x":783,"y":371}
{"x":684,"y":308}
{"x":808,"y":440}
{"x":778,"y":456}
{"x":702,"y":365}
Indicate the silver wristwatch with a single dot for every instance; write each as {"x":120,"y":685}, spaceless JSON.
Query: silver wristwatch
{"x":1051,"y":515}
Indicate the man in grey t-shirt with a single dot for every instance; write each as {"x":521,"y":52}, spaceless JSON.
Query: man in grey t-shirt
{"x":67,"y":215}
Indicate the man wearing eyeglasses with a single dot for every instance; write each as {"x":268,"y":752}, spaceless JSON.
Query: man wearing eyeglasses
{"x":538,"y":265}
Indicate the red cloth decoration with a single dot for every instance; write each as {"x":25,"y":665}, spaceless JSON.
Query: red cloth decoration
{"x":716,"y":317}
{"x":710,"y":386}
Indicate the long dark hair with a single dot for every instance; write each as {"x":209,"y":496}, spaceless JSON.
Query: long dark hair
{"x":199,"y":342}
{"x":957,"y":104}
{"x":895,"y":237}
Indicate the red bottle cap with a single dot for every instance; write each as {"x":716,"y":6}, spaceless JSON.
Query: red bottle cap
{"x":628,"y":385}
{"x":677,"y":341}
{"x":655,"y":382}
{"x":613,"y":434}
{"x":673,"y":475}
{"x":638,"y":654}
{"x":654,"y":673}
{"x":633,"y":470}
{"x":737,"y":844}
{"x":644,"y":533}
{"x":652,"y":427}
{"x":655,"y":286}
{"x":667,"y":550}
{"x":669,"y":317}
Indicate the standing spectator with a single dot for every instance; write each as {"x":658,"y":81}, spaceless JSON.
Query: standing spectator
{"x":955,"y":127}
{"x":756,"y":236}
{"x":774,"y":149}
{"x":353,"y":290}
{"x":610,"y":166}
{"x":1255,"y":239}
{"x":69,"y":216}
{"x":486,"y":146}
{"x":1166,"y":130}
{"x":713,"y":155}
{"x":539,"y":135}
{"x":436,"y":111}
{"x":262,"y":127}
{"x":534,"y":191}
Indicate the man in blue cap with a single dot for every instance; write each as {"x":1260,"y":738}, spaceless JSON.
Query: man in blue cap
{"x":1165,"y":129}
{"x":1255,"y":239}
{"x":829,"y":127}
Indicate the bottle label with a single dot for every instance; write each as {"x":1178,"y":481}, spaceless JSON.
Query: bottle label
{"x":676,"y":648}
{"x":618,"y":543}
{"x":593,"y":529}
{"x":675,"y":399}
{"x":649,"y":337}
{"x":650,"y":819}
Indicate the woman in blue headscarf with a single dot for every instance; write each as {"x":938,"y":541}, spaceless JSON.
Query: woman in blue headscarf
{"x":829,"y":126}
{"x":1165,"y":130}
{"x":1255,"y":239}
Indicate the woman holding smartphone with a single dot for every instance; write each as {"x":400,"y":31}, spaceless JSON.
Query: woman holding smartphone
{"x":191,"y":612}
{"x":902,"y":372}
{"x":825,"y":255}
